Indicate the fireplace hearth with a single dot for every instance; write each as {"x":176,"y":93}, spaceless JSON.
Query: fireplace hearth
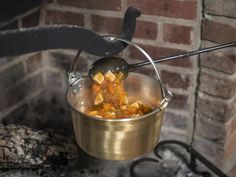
{"x":173,"y":162}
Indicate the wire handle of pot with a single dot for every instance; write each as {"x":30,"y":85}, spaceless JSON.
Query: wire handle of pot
{"x":165,"y":92}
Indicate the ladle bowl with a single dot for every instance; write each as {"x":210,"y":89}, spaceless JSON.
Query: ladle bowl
{"x":114,"y":64}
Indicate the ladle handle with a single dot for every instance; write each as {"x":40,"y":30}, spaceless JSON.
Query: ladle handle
{"x":182,"y":55}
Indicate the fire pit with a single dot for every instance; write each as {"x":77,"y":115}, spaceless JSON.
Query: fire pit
{"x":165,"y":160}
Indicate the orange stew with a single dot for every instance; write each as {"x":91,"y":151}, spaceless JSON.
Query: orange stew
{"x":110,"y":98}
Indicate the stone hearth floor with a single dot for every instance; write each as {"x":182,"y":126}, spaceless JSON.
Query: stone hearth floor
{"x":171,"y":166}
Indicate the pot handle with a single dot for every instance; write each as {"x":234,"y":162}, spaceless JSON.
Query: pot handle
{"x":72,"y":74}
{"x":166,"y":94}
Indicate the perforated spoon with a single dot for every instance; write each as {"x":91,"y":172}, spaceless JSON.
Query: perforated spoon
{"x":118,"y":64}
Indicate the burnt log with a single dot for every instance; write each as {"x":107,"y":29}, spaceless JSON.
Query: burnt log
{"x":23,"y":147}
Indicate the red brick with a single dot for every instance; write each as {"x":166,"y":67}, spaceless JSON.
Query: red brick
{"x":60,"y":60}
{"x":31,"y":20}
{"x":183,"y":62}
{"x":17,"y":93}
{"x":63,"y":61}
{"x":177,"y":33}
{"x":53,"y":79}
{"x":210,"y":150}
{"x":232,"y":172}
{"x":106,"y":24}
{"x":83,"y":65}
{"x":146,"y":30}
{"x":178,"y":101}
{"x":10,"y":76}
{"x":146,"y":70}
{"x":175,"y":80}
{"x":172,"y":134}
{"x":17,"y":116}
{"x":221,"y":60}
{"x":233,"y":126}
{"x":33,"y":63}
{"x":93,"y":4}
{"x":58,"y":17}
{"x":215,"y":109}
{"x":218,"y":32}
{"x":230,"y":126}
{"x":210,"y":129}
{"x":9,"y":26}
{"x":167,"y":8}
{"x":48,"y":17}
{"x":217,"y":86}
{"x":230,"y":147}
{"x":231,"y":129}
{"x":50,"y":1}
{"x":220,"y":7}
{"x":175,"y":120}
{"x":159,"y":52}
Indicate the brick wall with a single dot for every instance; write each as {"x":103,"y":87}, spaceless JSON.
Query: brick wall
{"x":20,"y":76}
{"x":25,"y":97}
{"x":216,"y":101}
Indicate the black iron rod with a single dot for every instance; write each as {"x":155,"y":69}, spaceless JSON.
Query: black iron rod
{"x":209,"y":165}
{"x":187,"y":54}
{"x":136,"y":162}
{"x":193,"y":152}
{"x":26,"y":40}
{"x":192,"y":162}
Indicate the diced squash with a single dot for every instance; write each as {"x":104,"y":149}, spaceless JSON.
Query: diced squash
{"x":136,"y":115}
{"x":96,"y":88}
{"x":110,"y":76}
{"x":126,"y":100}
{"x":112,"y":88}
{"x":144,"y":107}
{"x":109,"y":115}
{"x":120,"y":76}
{"x":131,"y":110}
{"x":92,"y":113}
{"x":98,"y":78}
{"x":107,"y":106}
{"x":135,"y":105}
{"x":111,"y":100}
{"x":123,"y":107}
{"x":98,"y":99}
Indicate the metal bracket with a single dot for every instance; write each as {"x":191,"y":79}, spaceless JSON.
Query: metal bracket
{"x":21,"y":41}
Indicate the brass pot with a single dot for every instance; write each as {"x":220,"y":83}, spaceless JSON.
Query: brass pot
{"x":119,"y":139}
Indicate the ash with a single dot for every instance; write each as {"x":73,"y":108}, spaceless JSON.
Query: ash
{"x":171,"y":165}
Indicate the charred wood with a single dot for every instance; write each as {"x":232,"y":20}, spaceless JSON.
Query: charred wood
{"x":23,"y":147}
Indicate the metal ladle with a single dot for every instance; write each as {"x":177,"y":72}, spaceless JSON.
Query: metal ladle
{"x":118,"y":64}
